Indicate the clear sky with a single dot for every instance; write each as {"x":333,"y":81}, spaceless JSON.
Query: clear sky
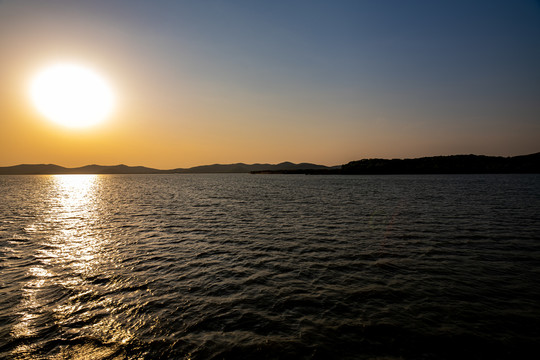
{"x":202,"y":82}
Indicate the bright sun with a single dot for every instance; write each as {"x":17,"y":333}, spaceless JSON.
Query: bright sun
{"x":72,"y":95}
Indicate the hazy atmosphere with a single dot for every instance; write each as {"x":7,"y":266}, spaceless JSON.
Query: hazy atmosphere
{"x":269,"y":81}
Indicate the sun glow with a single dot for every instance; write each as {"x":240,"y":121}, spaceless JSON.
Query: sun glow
{"x":72,"y":95}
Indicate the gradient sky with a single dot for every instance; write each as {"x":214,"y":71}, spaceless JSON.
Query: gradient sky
{"x":202,"y":82}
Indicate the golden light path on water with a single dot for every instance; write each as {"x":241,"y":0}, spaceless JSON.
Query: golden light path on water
{"x":72,"y":252}
{"x":239,"y":267}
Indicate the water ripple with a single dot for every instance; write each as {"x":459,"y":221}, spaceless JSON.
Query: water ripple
{"x":251,"y":267}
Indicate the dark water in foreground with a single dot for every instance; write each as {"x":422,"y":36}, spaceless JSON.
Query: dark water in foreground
{"x":265,"y":267}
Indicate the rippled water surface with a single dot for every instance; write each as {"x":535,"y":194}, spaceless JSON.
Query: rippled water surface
{"x":269,"y":267}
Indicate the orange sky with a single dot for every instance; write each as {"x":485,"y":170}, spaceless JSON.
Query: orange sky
{"x":323,"y":84}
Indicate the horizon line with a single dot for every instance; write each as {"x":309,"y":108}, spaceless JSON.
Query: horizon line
{"x":262,"y":163}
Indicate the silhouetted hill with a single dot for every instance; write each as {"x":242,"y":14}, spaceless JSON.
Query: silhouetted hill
{"x":455,"y":164}
{"x":25,"y":169}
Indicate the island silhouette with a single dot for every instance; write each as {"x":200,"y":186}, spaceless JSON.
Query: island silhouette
{"x":452,"y":164}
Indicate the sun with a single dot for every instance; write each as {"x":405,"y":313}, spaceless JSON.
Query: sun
{"x":72,"y":95}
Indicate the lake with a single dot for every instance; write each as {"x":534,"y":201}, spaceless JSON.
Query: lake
{"x":239,"y":266}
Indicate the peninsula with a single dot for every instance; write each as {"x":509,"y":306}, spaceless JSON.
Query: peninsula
{"x":453,"y":164}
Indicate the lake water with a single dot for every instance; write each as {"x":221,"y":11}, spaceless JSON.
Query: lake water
{"x":269,"y":267}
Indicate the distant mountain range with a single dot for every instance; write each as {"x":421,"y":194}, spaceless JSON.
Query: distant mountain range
{"x":245,"y":168}
{"x":49,"y":169}
{"x":454,"y":164}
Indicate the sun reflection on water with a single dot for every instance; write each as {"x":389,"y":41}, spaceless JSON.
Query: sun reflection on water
{"x":61,"y":296}
{"x":73,"y":213}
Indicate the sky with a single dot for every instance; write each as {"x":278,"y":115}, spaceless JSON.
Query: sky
{"x":327,"y":82}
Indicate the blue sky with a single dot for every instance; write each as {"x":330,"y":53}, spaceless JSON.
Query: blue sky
{"x":270,"y":81}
